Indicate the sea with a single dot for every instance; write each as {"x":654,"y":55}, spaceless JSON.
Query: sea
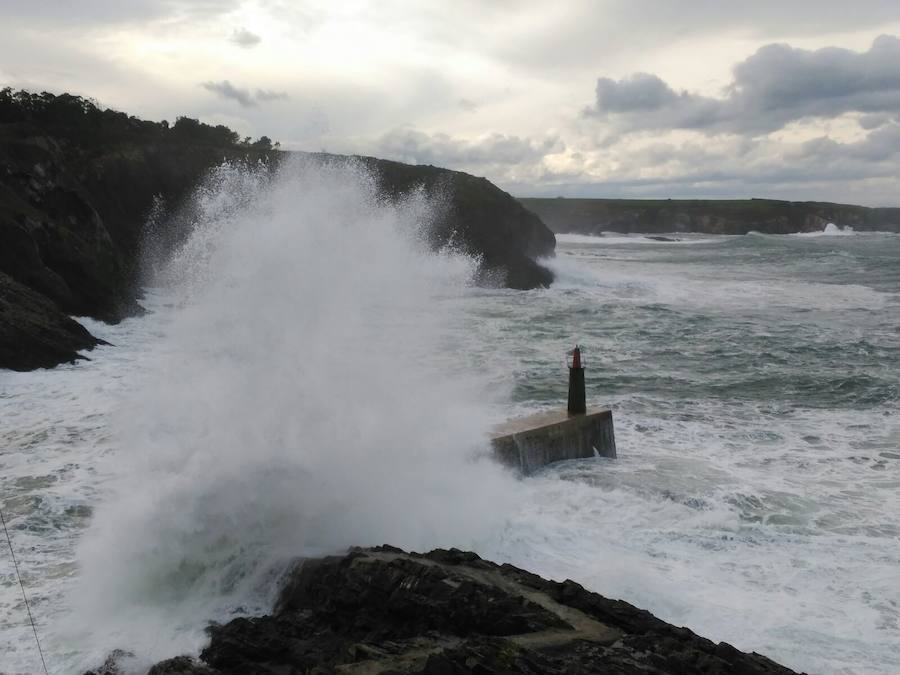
{"x":309,"y":376}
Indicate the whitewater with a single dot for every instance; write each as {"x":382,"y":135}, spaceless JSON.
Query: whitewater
{"x":310,"y":376}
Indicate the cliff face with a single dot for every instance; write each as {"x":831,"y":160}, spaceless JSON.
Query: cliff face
{"x":593,"y":216}
{"x":33,"y":332}
{"x":478,"y":217}
{"x":73,"y":208}
{"x":447,"y":613}
{"x":71,"y":220}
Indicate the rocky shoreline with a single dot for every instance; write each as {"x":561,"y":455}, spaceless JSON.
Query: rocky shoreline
{"x":78,"y":184}
{"x":448,"y":612}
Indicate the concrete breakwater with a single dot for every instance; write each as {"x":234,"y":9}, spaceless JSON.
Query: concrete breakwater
{"x":529,"y":443}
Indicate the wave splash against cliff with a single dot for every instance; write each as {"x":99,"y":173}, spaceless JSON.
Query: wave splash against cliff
{"x":300,"y":400}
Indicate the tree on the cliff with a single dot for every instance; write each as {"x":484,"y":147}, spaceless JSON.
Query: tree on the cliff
{"x":82,"y":121}
{"x":190,"y":129}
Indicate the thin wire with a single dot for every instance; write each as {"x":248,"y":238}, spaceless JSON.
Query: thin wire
{"x":27,"y":608}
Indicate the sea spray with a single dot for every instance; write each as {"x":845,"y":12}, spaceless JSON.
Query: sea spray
{"x":292,"y":407}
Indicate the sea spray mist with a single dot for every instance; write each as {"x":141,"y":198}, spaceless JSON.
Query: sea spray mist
{"x":293,"y":406}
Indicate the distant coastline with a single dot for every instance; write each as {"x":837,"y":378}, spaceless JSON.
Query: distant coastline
{"x":708,"y":216}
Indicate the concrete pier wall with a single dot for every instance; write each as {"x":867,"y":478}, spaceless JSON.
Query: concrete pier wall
{"x":529,"y":443}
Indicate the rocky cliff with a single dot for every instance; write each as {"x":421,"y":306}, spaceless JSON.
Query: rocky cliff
{"x":593,"y":216}
{"x":77,"y":184}
{"x":449,"y":613}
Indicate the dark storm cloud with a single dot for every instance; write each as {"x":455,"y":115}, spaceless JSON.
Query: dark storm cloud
{"x":412,"y":145}
{"x":244,"y":38}
{"x":244,"y":97}
{"x":775,"y":86}
{"x":874,"y":120}
{"x":641,"y":91}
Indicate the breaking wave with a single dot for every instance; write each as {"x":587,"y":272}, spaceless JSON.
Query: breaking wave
{"x":292,"y":407}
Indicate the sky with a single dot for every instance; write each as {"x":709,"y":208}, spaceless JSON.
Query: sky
{"x":791,"y":99}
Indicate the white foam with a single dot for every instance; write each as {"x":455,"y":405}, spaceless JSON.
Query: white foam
{"x":830,"y":230}
{"x":670,"y":527}
{"x":617,"y":279}
{"x":293,"y":407}
{"x":200,"y":421}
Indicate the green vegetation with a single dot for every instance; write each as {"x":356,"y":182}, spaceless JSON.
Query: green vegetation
{"x":83,"y":121}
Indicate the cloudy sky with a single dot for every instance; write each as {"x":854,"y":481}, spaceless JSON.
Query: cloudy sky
{"x":794,"y":99}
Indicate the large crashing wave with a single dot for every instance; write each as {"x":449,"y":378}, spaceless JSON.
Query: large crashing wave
{"x":294,"y":405}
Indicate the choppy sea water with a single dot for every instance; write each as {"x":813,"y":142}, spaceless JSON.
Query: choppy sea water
{"x":754,"y":382}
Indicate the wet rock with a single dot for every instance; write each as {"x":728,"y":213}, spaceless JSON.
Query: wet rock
{"x":115,"y":663}
{"x":180,"y":665}
{"x":478,"y":218}
{"x":34,"y":333}
{"x":449,"y":612}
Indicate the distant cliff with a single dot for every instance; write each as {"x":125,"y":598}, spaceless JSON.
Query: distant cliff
{"x":740,"y":216}
{"x":77,"y":184}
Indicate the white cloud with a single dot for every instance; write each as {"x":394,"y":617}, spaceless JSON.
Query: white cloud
{"x":411,"y":145}
{"x":499,"y":88}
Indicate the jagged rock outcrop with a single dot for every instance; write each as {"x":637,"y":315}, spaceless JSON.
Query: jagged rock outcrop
{"x":34,"y":333}
{"x":72,"y":213}
{"x":448,"y":612}
{"x":77,"y":185}
{"x":478,"y":217}
{"x":719,"y":216}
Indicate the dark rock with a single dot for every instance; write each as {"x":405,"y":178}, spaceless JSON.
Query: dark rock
{"x":113,"y":664}
{"x":449,"y":612}
{"x":54,"y":239}
{"x":479,"y":218}
{"x":34,"y":333}
{"x":658,"y":238}
{"x":78,"y":184}
{"x":181,"y":665}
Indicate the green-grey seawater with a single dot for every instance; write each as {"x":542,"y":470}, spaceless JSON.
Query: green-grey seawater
{"x":308,"y":378}
{"x":755,"y":383}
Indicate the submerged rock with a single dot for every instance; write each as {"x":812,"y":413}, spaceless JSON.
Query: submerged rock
{"x":448,"y":612}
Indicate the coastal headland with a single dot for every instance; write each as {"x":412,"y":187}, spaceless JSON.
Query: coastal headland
{"x":80,"y":186}
{"x":709,"y":216}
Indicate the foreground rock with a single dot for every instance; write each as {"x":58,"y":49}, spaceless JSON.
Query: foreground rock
{"x":34,"y":333}
{"x":448,"y":612}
